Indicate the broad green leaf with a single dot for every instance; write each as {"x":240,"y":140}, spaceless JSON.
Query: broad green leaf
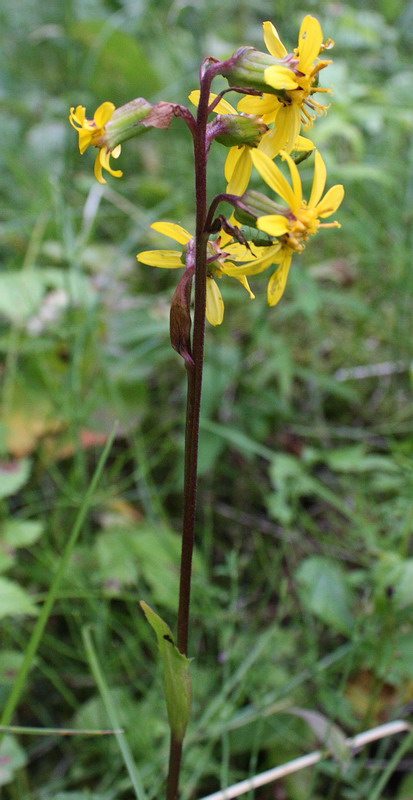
{"x":325,"y":592}
{"x":20,"y":294}
{"x":10,"y":663}
{"x":116,"y":559}
{"x":177,"y":681}
{"x":397,"y":574}
{"x":21,"y":532}
{"x":12,"y":758}
{"x":13,"y":475}
{"x":14,"y":600}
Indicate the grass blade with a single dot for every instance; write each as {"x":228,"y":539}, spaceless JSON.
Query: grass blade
{"x":112,"y":715}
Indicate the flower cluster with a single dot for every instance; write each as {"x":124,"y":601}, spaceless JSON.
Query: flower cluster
{"x":278,"y":89}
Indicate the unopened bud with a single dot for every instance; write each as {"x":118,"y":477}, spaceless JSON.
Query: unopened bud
{"x":238,"y":129}
{"x":136,"y":118}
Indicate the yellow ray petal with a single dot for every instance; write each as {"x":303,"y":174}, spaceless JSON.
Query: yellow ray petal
{"x":290,"y":117}
{"x":319,"y":180}
{"x":273,"y":141}
{"x":234,"y":154}
{"x":214,"y":303}
{"x":98,"y":169}
{"x":168,"y":259}
{"x":331,"y":201}
{"x":77,"y":116}
{"x":274,"y":224}
{"x":242,"y":172}
{"x":309,"y":42}
{"x":103,"y":114}
{"x":239,"y":252}
{"x":242,"y":279}
{"x":278,"y":281}
{"x":104,"y":158}
{"x":258,"y":106}
{"x":273,"y":177}
{"x":272,"y":256}
{"x":287,"y":126}
{"x":85,"y":138}
{"x":280,"y":78}
{"x":172,"y":230}
{"x":223,"y":107}
{"x":296,"y":180}
{"x":272,"y":41}
{"x":302,"y":144}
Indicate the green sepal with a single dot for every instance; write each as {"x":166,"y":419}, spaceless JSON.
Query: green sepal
{"x":177,"y":681}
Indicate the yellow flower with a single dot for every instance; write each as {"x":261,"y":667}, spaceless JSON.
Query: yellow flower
{"x":300,"y":220}
{"x":238,"y":165}
{"x":298,"y":80}
{"x":218,"y":265}
{"x":92,"y":132}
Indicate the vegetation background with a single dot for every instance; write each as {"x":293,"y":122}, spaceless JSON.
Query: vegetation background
{"x":303,"y":588}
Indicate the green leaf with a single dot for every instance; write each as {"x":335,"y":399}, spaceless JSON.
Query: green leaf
{"x":10,"y":663}
{"x":177,"y":681}
{"x":116,"y":559}
{"x":21,"y":532}
{"x":398,"y":574}
{"x":13,"y":475}
{"x":20,"y":294}
{"x":325,"y":592}
{"x":14,"y":600}
{"x":12,"y":758}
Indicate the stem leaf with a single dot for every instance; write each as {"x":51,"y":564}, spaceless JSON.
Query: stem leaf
{"x":177,"y":681}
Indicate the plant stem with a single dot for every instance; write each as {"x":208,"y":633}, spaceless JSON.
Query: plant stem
{"x":194,"y":390}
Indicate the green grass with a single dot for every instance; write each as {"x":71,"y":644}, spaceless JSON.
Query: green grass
{"x":304,"y":566}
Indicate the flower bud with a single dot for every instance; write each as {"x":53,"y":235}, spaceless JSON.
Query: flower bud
{"x":247,"y":68}
{"x":135,"y":118}
{"x":238,"y":129}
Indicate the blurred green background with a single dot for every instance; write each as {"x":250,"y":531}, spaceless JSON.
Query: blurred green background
{"x":303,"y":586}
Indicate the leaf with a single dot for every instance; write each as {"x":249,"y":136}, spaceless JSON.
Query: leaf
{"x":398,"y":576}
{"x":14,"y":600}
{"x":177,"y":681}
{"x":10,"y":663}
{"x":116,"y":559}
{"x":20,"y":294}
{"x":12,"y":758}
{"x":21,"y":532}
{"x":325,"y":593}
{"x":157,"y":550}
{"x":13,"y":475}
{"x":328,"y":733}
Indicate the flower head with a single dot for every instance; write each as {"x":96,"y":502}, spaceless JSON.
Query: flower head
{"x":294,"y":225}
{"x":92,"y":132}
{"x":238,"y":165}
{"x":218,"y":264}
{"x":296,"y":81}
